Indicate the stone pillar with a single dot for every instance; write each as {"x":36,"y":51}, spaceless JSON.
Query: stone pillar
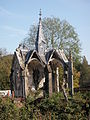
{"x":26,"y":81}
{"x":46,"y":84}
{"x":66,"y":78}
{"x":57,"y":80}
{"x":50,"y":80}
{"x":50,"y":83}
{"x":70,"y":75}
{"x":72,"y":87}
{"x":13,"y":94}
{"x":23,"y":83}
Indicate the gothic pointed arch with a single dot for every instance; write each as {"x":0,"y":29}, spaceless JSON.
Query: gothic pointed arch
{"x":35,"y":77}
{"x":57,"y":57}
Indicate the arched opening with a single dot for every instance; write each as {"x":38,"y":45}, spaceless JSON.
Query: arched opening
{"x":35,"y":75}
{"x":57,"y":74}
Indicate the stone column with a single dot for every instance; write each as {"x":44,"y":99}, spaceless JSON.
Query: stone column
{"x":66,"y":78}
{"x":46,"y":84}
{"x":50,"y":83}
{"x":50,"y":80}
{"x":70,"y":75}
{"x":26,"y":81}
{"x":23,"y":84}
{"x":57,"y":80}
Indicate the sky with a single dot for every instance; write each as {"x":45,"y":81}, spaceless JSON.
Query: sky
{"x":16,"y":17}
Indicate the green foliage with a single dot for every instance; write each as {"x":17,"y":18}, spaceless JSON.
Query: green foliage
{"x":85,"y":73}
{"x":58,"y":34}
{"x":8,"y":111}
{"x":76,"y":78}
{"x":5,"y":69}
{"x":61,"y":71}
{"x":53,"y":108}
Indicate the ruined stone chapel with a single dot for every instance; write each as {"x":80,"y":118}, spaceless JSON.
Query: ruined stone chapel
{"x":38,"y":69}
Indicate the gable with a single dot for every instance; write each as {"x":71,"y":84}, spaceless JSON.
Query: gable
{"x":32,"y":55}
{"x":56,"y":56}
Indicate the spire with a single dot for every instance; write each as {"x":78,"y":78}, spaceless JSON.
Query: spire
{"x":40,"y":40}
{"x":40,"y":14}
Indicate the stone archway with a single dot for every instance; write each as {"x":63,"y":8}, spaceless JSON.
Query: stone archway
{"x":35,"y":76}
{"x":53,"y":77}
{"x":55,"y":67}
{"x":55,"y":60}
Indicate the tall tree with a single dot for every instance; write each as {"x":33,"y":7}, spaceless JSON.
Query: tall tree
{"x":5,"y":69}
{"x":58,"y":34}
{"x":85,"y":73}
{"x":3,"y":52}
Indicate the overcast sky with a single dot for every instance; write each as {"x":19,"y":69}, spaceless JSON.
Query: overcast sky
{"x":16,"y":17}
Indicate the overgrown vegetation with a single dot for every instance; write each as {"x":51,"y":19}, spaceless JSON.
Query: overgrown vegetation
{"x":54,"y":108}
